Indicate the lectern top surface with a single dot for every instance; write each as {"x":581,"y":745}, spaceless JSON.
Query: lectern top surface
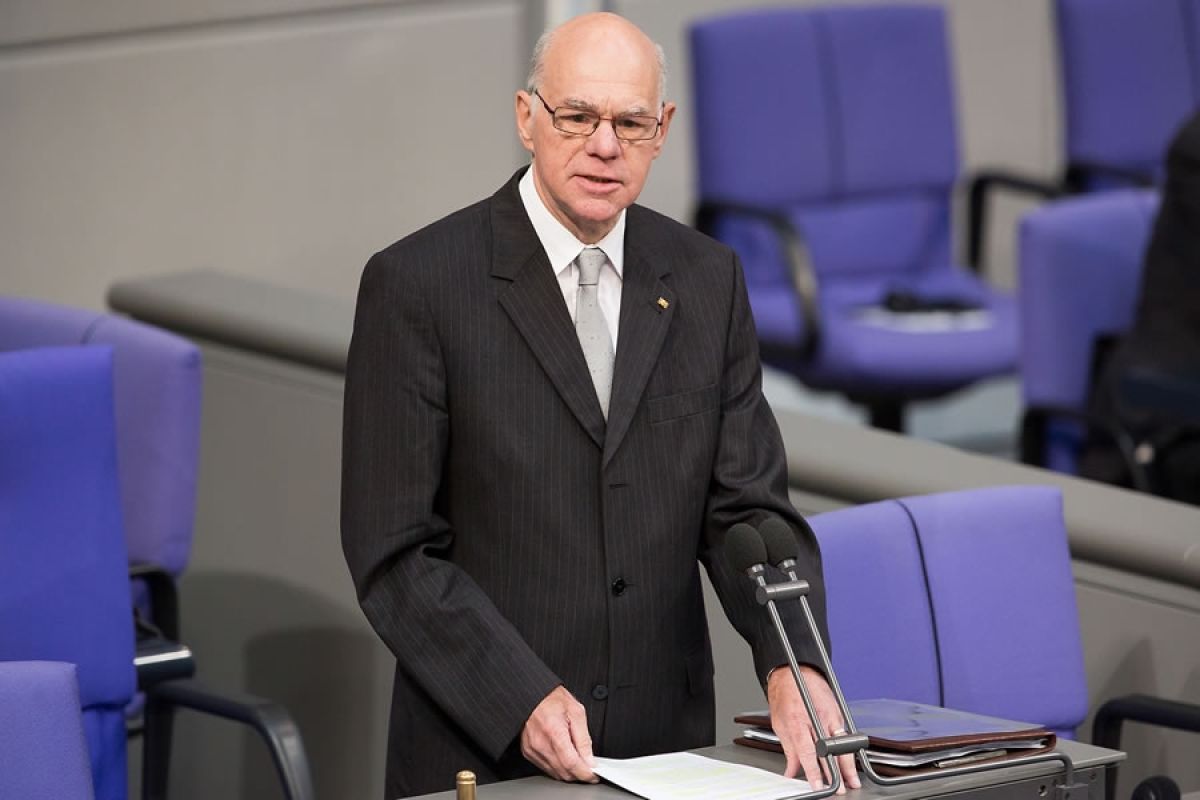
{"x":1088,"y":762}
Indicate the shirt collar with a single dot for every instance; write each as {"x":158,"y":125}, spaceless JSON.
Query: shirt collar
{"x":560,"y":244}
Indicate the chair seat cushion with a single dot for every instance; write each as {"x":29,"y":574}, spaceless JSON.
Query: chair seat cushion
{"x":883,"y":352}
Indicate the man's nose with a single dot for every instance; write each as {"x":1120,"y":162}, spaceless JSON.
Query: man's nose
{"x":603,"y":143}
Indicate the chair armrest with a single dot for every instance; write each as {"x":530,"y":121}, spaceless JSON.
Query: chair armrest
{"x":1078,"y":173}
{"x":795,"y":252}
{"x":158,"y":660}
{"x":977,"y":192}
{"x":1106,"y":726}
{"x":164,"y":597}
{"x":268,"y":719}
{"x":1033,"y":439}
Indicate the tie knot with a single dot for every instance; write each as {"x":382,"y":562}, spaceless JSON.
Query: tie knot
{"x":590,"y":260}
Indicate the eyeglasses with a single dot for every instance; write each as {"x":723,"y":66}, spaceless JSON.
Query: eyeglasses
{"x":581,"y":122}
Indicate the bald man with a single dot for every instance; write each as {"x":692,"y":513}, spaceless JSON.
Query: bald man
{"x":553,"y":412}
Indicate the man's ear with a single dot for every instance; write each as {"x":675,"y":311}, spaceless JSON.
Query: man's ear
{"x":667,"y":115}
{"x":523,"y":108}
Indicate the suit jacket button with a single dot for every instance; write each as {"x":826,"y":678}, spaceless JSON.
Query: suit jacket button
{"x":618,"y":587}
{"x":599,"y":691}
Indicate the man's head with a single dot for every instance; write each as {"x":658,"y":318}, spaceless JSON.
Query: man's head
{"x":599,"y":63}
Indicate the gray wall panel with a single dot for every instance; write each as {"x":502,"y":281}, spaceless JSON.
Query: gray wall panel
{"x":289,"y":151}
{"x":268,"y":604}
{"x":36,"y":21}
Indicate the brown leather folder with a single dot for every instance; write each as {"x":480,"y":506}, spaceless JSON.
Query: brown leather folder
{"x":923,"y":738}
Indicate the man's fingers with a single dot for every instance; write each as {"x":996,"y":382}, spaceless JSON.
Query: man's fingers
{"x":546,"y":751}
{"x":813,"y":773}
{"x":582,"y":740}
{"x":556,"y":740}
{"x":534,"y":756}
{"x":849,"y":771}
{"x":567,"y":763}
{"x":792,"y":769}
{"x":802,"y":757}
{"x":845,"y":763}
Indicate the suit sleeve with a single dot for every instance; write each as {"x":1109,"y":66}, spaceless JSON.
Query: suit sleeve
{"x":447,"y":635}
{"x":749,"y":484}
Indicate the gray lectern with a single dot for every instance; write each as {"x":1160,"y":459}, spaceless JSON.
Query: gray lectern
{"x":1041,"y":781}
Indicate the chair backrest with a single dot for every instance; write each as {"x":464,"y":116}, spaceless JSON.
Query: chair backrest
{"x":843,"y":117}
{"x":1080,"y":264}
{"x":157,"y":401}
{"x":1129,"y":78}
{"x":943,"y":598}
{"x":64,"y":591}
{"x":43,"y":752}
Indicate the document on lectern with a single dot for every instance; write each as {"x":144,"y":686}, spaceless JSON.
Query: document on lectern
{"x":687,"y":776}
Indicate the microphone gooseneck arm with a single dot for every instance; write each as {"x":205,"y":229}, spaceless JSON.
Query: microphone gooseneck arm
{"x":745,"y":550}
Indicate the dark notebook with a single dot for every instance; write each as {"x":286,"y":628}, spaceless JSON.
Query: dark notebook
{"x":907,"y":737}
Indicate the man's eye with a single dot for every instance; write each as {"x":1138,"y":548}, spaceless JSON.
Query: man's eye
{"x":638,"y":124}
{"x":578,"y":118}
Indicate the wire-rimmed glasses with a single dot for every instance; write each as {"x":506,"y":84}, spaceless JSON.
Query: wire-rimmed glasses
{"x":583,"y":122}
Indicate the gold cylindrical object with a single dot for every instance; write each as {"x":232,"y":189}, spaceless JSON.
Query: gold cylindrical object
{"x":465,"y":782}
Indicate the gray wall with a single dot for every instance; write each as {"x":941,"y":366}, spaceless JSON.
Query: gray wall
{"x":289,"y":139}
{"x":286,"y":139}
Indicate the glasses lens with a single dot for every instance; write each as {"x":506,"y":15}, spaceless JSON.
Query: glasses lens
{"x":635,"y":127}
{"x":573,"y":120}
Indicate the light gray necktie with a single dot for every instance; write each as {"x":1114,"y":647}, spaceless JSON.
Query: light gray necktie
{"x":590,"y":325}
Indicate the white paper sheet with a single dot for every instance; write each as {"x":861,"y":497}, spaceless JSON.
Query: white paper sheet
{"x":687,"y":776}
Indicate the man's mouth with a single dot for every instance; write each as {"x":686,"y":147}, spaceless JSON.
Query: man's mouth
{"x":599,"y":182}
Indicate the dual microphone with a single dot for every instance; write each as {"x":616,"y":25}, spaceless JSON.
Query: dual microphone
{"x":749,"y":550}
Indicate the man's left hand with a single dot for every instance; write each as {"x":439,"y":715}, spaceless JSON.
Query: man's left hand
{"x":791,"y":723}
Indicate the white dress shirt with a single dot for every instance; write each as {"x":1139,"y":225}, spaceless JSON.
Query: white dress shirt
{"x":562,"y":248}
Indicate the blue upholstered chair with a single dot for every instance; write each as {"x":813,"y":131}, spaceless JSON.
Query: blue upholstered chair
{"x":940,"y":599}
{"x":1129,"y":77}
{"x":64,"y":595}
{"x":64,"y":588}
{"x":157,"y":405}
{"x":43,"y":751}
{"x":1080,"y":263}
{"x":827,"y":151}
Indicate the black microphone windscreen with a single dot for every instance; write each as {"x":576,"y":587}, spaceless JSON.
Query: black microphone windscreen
{"x":744,"y":547}
{"x":779,"y":539}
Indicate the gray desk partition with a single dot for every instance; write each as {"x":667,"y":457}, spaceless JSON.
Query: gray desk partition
{"x":1034,"y":782}
{"x":268,"y":604}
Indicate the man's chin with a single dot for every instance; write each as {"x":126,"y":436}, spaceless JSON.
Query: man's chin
{"x":595,"y":220}
{"x":600,"y":210}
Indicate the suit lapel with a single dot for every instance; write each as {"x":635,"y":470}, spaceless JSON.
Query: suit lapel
{"x":647,"y":307}
{"x":533,"y":300}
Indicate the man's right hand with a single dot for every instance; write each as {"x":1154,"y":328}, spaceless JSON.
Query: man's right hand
{"x":556,"y":739}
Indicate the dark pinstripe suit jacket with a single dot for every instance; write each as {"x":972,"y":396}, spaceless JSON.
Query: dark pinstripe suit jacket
{"x":502,"y":538}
